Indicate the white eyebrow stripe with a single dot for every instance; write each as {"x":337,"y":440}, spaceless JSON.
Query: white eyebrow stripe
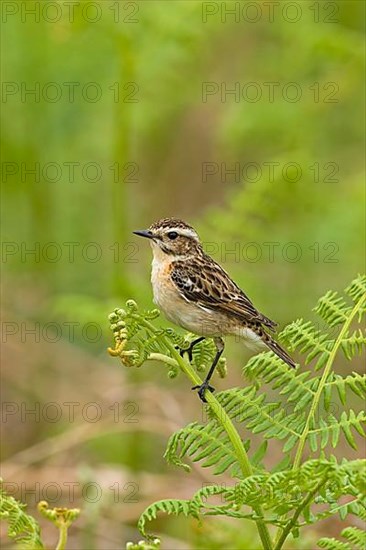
{"x":184,"y":231}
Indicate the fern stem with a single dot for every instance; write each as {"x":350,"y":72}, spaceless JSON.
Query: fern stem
{"x":61,"y":545}
{"x":163,"y":359}
{"x":318,"y":394}
{"x":291,"y":523}
{"x":225,"y":421}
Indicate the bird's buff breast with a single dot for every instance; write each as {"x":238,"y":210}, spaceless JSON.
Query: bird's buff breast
{"x":181,"y":312}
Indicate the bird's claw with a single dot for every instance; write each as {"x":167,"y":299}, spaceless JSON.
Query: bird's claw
{"x":189,"y":352}
{"x":201,"y":390}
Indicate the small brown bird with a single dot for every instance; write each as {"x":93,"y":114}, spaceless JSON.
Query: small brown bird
{"x":196,"y":293}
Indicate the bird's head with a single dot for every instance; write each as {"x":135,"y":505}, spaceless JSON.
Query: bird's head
{"x":172,"y":237}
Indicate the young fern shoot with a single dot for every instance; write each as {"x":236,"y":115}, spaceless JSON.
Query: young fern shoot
{"x":25,"y":531}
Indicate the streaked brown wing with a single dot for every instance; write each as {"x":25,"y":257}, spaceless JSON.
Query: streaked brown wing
{"x":209,"y":286}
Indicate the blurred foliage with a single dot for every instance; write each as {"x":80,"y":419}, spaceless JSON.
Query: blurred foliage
{"x":171,"y":137}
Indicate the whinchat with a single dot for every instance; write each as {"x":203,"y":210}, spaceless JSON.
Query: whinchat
{"x":196,"y":293}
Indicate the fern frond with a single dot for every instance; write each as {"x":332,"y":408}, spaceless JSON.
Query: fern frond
{"x":283,"y":491}
{"x":203,"y":354}
{"x":356,"y":290}
{"x":300,"y":387}
{"x":207,"y":443}
{"x":272,"y":370}
{"x":279,"y":493}
{"x":202,"y":505}
{"x":354,"y":382}
{"x":303,"y":336}
{"x":181,"y":341}
{"x":361,"y":511}
{"x":23,"y":529}
{"x":259,"y":416}
{"x":295,"y":493}
{"x":353,"y":344}
{"x":333,"y":544}
{"x":332,"y":309}
{"x":332,"y":428}
{"x":144,"y":545}
{"x":354,"y":535}
{"x":168,"y":506}
{"x":353,"y":507}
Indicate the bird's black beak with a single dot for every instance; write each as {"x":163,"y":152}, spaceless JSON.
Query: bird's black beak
{"x":144,"y":233}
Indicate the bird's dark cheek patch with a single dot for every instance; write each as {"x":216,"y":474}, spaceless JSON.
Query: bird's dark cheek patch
{"x":165,"y":249}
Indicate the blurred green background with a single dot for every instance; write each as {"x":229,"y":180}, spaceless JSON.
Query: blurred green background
{"x":248,"y":126}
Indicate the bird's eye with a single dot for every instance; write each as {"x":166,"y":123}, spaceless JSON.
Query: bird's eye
{"x":172,"y":235}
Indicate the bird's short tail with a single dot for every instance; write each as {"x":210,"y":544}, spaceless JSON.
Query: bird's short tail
{"x":280,"y":352}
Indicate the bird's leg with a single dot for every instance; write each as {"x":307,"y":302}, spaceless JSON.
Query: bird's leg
{"x":219,"y":342}
{"x":190,"y":349}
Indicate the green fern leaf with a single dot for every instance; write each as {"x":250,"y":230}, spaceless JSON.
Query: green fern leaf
{"x":270,"y":369}
{"x":181,"y":341}
{"x":334,"y":427}
{"x":357,"y":383}
{"x":270,"y":419}
{"x":203,"y":354}
{"x":23,"y":529}
{"x":333,"y":544}
{"x":356,"y":536}
{"x":208,"y":444}
{"x":259,"y":454}
{"x":305,"y":337}
{"x":354,"y":382}
{"x":332,"y":309}
{"x":356,"y":290}
{"x":172,"y":506}
{"x":353,"y":344}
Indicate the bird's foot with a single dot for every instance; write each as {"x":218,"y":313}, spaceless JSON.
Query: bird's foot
{"x":188,"y":351}
{"x":201,"y":390}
